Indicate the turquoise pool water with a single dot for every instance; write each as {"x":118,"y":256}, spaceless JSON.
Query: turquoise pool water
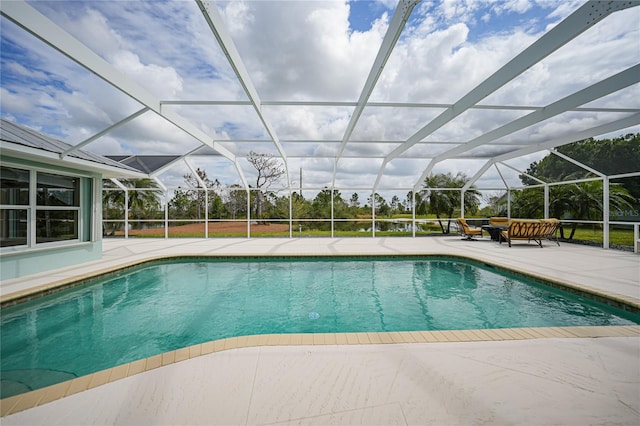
{"x":165,"y":306}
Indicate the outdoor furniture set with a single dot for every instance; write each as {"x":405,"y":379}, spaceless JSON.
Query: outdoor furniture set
{"x":504,"y":229}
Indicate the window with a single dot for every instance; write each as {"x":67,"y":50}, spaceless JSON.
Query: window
{"x":14,"y":203}
{"x":40,"y":207}
{"x":58,"y":205}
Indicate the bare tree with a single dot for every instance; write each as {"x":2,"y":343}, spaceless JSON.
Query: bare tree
{"x":270,"y":170}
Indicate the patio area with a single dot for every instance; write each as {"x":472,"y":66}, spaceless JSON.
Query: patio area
{"x":521,"y":377}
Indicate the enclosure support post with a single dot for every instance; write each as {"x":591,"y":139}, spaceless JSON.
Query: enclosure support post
{"x":96,"y":216}
{"x":291,"y":211}
{"x":546,"y":201}
{"x":373,"y":214}
{"x":166,"y":215}
{"x":605,"y":212}
{"x":248,"y":213}
{"x":331,"y":211}
{"x":126,"y":213}
{"x":206,"y":212}
{"x":413,"y":212}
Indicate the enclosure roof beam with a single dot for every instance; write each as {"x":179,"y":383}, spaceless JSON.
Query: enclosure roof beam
{"x":35,"y":23}
{"x":504,"y":181}
{"x":219,"y":30}
{"x":600,"y":89}
{"x":160,"y":184}
{"x":577,"y":163}
{"x":104,"y":132}
{"x":624,"y":123}
{"x":522,"y":173}
{"x":118,"y":184}
{"x":473,"y":179}
{"x":624,"y":175}
{"x":575,"y":24}
{"x":195,"y":174}
{"x":173,"y":162}
{"x":383,"y":105}
{"x":398,"y":21}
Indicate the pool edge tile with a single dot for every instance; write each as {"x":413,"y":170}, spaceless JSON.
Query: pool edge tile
{"x":374,"y":338}
{"x":485,"y":337}
{"x":253,"y":341}
{"x":206,"y":348}
{"x":341,"y":339}
{"x":330,"y":339}
{"x":407,"y":337}
{"x":296,"y":339}
{"x":51,"y":393}
{"x":307,"y":338}
{"x":428,"y":337}
{"x":28,"y":400}
{"x":7,"y":404}
{"x":182,"y":354}
{"x":168,"y":358}
{"x":363,"y":338}
{"x":99,"y":378}
{"x":153,"y":362}
{"x":136,"y":367}
{"x":54,"y":392}
{"x":230,"y":343}
{"x":263,"y":339}
{"x":516,"y":333}
{"x":243,"y":342}
{"x":385,"y":338}
{"x":119,"y":372}
{"x":195,"y":350}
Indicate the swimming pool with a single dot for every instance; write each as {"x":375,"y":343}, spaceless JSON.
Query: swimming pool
{"x":167,"y":305}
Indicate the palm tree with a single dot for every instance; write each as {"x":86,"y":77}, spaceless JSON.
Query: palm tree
{"x":529,"y":203}
{"x":444,"y":203}
{"x":585,"y":201}
{"x":142,"y":204}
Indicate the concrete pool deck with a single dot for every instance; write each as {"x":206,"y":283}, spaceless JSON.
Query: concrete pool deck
{"x":540,"y":379}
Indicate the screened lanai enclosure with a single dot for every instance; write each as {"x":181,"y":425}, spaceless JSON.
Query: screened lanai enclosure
{"x":338,"y":118}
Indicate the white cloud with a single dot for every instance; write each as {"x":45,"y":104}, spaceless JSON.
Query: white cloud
{"x":22,"y":71}
{"x":306,"y":50}
{"x":164,"y":82}
{"x":306,"y":53}
{"x":517,"y":6}
{"x":13,"y":103}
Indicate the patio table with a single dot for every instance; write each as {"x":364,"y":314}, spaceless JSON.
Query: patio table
{"x":494,"y":230}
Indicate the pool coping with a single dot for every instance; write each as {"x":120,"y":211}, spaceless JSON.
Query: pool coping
{"x":27,"y":400}
{"x":31,"y":399}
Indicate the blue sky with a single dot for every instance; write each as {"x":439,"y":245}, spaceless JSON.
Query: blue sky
{"x":364,"y":12}
{"x":305,"y":51}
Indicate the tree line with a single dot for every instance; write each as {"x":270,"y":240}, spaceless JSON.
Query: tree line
{"x":568,"y":201}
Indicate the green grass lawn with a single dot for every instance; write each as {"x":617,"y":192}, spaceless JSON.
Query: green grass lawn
{"x":617,"y":236}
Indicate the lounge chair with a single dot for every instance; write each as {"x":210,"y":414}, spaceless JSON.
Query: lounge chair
{"x":530,"y":229}
{"x":468,"y":231}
